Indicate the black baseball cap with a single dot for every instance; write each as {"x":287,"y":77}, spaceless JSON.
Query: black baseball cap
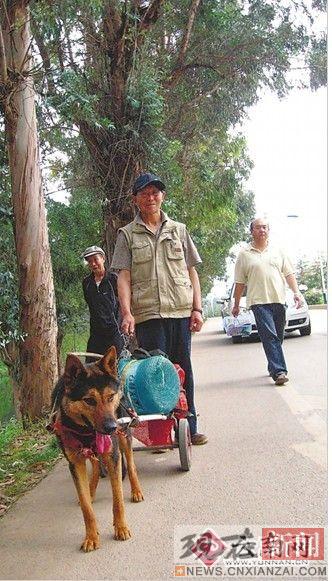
{"x":145,"y":179}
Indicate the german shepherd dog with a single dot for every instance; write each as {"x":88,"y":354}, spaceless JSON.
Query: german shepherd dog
{"x":85,"y":401}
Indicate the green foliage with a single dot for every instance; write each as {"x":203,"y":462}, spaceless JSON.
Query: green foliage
{"x":26,"y":456}
{"x":9,"y":303}
{"x":72,"y":228}
{"x":314,"y":297}
{"x":232,"y":53}
{"x":210,"y":198}
{"x":6,"y":396}
{"x":309,"y":273}
{"x":74,"y":340}
{"x":320,"y":5}
{"x":318,"y":63}
{"x":177,"y":108}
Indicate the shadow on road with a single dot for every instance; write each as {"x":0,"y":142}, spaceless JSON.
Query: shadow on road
{"x":220,"y":339}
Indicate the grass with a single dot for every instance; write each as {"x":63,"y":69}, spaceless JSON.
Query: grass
{"x":26,"y":455}
{"x":6,"y":395}
{"x":73,"y":342}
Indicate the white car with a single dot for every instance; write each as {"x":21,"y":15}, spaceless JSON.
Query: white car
{"x":296,"y":319}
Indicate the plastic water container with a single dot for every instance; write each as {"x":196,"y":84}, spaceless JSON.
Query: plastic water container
{"x":151,"y":385}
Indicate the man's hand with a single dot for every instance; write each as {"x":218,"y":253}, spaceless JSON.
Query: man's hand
{"x":298,"y":300}
{"x":236,"y":310}
{"x":238,"y":292}
{"x":128,"y":324}
{"x":196,"y":321}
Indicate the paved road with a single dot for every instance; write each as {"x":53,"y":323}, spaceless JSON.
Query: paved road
{"x":264,"y":465}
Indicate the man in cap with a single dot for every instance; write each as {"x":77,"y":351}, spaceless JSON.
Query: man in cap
{"x":159,"y":290}
{"x":100,"y":293}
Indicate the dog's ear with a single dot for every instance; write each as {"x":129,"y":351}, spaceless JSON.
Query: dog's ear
{"x":109,"y":362}
{"x":73,"y":368}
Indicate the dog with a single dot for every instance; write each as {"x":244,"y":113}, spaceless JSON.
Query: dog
{"x":84,"y":403}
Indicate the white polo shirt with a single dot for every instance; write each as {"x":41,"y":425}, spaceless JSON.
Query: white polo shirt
{"x":263,"y":272}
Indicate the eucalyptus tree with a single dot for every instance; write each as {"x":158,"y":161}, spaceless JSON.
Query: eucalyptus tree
{"x":38,"y":330}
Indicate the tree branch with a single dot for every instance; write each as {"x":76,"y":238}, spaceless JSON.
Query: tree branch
{"x":189,"y":106}
{"x":187,"y":33}
{"x":151,"y":14}
{"x":185,"y":41}
{"x":45,"y":57}
{"x":70,"y":51}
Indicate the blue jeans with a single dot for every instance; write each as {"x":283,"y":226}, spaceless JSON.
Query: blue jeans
{"x":173,"y":336}
{"x":270,"y":322}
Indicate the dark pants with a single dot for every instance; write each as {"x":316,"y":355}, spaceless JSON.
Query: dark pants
{"x":173,"y":336}
{"x":99,"y":343}
{"x":270,"y":322}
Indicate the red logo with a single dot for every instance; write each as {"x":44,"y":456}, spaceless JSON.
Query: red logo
{"x":293,"y":544}
{"x":208,"y":547}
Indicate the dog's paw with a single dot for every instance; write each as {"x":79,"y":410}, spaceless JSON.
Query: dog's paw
{"x":122,"y":533}
{"x":90,"y":543}
{"x":137,"y":496}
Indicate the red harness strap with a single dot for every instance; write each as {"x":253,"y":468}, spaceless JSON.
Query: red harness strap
{"x":85,"y":443}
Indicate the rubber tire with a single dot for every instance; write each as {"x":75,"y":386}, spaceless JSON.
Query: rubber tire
{"x":237,"y":339}
{"x":304,"y":331}
{"x":185,"y":445}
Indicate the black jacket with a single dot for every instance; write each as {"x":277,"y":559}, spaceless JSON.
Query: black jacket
{"x":102,"y":302}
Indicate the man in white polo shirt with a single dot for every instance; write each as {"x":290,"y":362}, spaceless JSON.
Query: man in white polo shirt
{"x":263,"y":270}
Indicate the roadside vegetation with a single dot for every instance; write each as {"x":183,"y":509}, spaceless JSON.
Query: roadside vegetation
{"x":28,"y":453}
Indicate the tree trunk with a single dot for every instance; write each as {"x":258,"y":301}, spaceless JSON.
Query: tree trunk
{"x":38,"y":351}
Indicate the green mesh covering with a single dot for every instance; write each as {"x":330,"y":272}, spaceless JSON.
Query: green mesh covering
{"x":151,"y":385}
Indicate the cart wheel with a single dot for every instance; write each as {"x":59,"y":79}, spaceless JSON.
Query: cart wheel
{"x":184,"y":445}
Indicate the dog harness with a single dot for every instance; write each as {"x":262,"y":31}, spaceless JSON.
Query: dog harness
{"x":82,"y":441}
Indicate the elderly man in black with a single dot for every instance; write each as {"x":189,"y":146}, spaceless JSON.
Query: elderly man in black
{"x":100,"y":293}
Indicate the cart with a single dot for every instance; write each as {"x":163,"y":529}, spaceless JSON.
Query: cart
{"x":158,"y":431}
{"x":164,"y":432}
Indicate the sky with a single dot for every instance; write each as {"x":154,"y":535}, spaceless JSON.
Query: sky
{"x":287,"y":141}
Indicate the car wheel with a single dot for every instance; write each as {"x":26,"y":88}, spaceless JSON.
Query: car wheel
{"x":305,"y":330}
{"x":237,"y":339}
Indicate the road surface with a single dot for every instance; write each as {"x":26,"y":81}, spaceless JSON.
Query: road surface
{"x":265,"y":464}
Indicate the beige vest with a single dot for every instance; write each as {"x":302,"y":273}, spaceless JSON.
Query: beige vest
{"x":160,"y":283}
